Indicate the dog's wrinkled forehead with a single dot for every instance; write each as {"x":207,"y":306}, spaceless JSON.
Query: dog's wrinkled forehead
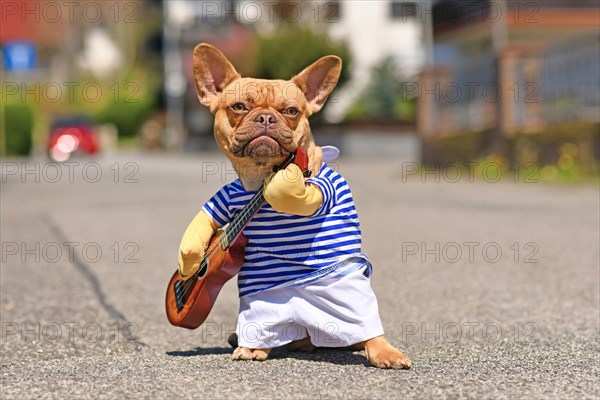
{"x":262,"y":93}
{"x":214,"y":73}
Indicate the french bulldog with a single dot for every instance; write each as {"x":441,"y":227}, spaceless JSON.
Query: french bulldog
{"x":319,"y":294}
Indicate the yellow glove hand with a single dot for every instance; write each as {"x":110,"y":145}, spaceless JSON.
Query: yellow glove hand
{"x":287,"y":192}
{"x":194,"y":243}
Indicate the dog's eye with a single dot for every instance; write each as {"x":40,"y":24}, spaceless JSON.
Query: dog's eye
{"x":293,"y":111}
{"x":238,"y":107}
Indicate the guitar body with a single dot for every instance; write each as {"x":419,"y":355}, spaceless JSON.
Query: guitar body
{"x":200,"y":298}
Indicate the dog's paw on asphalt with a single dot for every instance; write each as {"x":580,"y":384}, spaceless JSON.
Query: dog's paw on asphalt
{"x":386,"y":356}
{"x":244,"y":353}
{"x":391,"y":358}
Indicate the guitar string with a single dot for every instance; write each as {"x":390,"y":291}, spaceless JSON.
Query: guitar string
{"x":246,"y":211}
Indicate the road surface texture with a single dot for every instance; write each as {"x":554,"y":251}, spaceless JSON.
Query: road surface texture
{"x":491,"y":288}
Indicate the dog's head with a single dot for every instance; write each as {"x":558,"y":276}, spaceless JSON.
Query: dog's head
{"x":258,"y":122}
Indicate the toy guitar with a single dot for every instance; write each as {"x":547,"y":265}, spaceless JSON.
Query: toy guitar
{"x":189,"y":302}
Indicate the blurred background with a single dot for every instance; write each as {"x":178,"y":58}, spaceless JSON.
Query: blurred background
{"x":436,"y":82}
{"x":469,"y":133}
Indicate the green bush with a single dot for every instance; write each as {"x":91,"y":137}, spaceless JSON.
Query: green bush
{"x":461,"y":148}
{"x":127,"y":114}
{"x":18,"y":127}
{"x":574,"y":148}
{"x":384,"y":96}
{"x":567,"y":152}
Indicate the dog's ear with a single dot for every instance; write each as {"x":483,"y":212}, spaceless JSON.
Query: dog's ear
{"x":318,"y":80}
{"x":212,"y":72}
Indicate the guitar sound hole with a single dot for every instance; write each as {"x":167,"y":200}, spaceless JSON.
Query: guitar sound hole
{"x":203,"y":269}
{"x":180,"y":295}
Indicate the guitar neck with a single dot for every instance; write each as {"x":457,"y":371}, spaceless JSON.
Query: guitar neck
{"x":239,"y":222}
{"x":237,"y":225}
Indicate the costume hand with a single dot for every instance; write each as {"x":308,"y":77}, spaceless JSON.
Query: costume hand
{"x":287,"y":192}
{"x":194,"y":243}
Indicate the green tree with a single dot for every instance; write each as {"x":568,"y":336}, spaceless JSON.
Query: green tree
{"x":285,"y":53}
{"x":384,"y":97}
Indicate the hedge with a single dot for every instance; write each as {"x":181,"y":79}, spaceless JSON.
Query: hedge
{"x":18,"y":128}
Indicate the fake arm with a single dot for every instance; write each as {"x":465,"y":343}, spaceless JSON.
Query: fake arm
{"x":287,"y":192}
{"x":194,"y":243}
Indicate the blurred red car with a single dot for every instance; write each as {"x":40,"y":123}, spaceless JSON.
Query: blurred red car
{"x":72,"y":135}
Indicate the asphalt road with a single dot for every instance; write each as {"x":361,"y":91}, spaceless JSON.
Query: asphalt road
{"x":491,"y":288}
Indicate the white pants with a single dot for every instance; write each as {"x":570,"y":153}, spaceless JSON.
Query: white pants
{"x":334,"y":309}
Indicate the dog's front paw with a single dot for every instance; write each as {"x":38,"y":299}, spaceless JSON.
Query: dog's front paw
{"x":383,"y":355}
{"x":244,"y":353}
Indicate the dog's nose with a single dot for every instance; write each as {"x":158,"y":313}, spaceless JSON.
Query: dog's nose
{"x":265,"y":119}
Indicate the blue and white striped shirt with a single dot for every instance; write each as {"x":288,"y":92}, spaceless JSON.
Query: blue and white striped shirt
{"x":284,"y":247}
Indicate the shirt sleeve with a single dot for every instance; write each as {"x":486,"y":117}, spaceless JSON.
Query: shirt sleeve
{"x":218,"y":207}
{"x":324,"y":180}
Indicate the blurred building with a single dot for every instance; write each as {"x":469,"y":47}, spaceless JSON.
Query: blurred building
{"x":71,"y":37}
{"x":504,"y":68}
{"x":50,"y":50}
{"x":186,"y":24}
{"x":374,"y":31}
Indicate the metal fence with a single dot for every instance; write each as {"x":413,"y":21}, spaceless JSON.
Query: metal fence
{"x":569,"y":81}
{"x":524,"y":90}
